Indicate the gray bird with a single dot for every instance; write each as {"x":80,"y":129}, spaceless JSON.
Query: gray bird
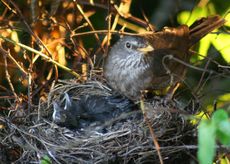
{"x":148,"y":62}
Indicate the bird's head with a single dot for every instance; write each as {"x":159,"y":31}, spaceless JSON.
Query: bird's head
{"x":129,"y":46}
{"x":67,"y":115}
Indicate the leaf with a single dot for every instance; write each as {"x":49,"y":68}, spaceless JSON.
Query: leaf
{"x":222,"y":44}
{"x":227,"y":18}
{"x":186,"y":17}
{"x":14,"y":37}
{"x":61,"y":54}
{"x":223,"y":132}
{"x":204,"y":46}
{"x":46,"y":160}
{"x":197,"y":117}
{"x":206,"y":142}
{"x":219,"y":115}
{"x":224,"y":160}
{"x":224,"y":97}
{"x":222,"y":123}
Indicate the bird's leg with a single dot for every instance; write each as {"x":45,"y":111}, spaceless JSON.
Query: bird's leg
{"x":167,"y":99}
{"x":172,"y":89}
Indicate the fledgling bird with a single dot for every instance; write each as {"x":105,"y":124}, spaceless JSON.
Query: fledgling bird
{"x":90,"y":110}
{"x":147,"y":62}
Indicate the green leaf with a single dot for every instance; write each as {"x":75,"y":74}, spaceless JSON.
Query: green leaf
{"x":46,"y":160}
{"x":222,"y":124}
{"x":204,"y":46}
{"x":222,"y":44}
{"x":188,"y":17}
{"x":223,"y":132}
{"x":206,"y":142}
{"x":219,"y":116}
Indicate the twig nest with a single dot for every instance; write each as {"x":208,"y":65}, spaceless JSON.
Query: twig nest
{"x":126,"y":139}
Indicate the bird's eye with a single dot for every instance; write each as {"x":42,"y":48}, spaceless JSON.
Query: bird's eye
{"x":128,"y":45}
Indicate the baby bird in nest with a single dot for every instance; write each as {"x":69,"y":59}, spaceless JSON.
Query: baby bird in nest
{"x":90,"y":110}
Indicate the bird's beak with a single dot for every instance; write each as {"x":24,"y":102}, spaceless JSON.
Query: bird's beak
{"x":148,"y":48}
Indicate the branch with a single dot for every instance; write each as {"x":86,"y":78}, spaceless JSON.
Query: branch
{"x":43,"y":56}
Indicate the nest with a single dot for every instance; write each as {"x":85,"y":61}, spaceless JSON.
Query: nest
{"x":128,"y":140}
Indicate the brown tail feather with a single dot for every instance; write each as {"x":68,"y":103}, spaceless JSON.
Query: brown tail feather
{"x":203,"y":26}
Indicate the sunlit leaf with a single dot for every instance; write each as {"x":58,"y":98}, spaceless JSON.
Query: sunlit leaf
{"x":204,"y":46}
{"x":224,"y":97}
{"x":222,"y":44}
{"x":199,"y":116}
{"x":224,"y":160}
{"x":227,"y":18}
{"x":14,"y":37}
{"x":61,"y":54}
{"x":188,"y":17}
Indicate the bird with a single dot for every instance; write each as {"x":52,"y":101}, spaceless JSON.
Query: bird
{"x":90,"y":110}
{"x":149,"y":62}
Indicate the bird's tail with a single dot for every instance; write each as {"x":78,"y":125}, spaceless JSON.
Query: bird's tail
{"x":203,"y":26}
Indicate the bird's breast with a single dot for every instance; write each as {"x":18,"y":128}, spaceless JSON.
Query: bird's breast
{"x":129,"y":76}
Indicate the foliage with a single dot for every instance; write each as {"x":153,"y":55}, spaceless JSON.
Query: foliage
{"x":217,"y":128}
{"x":46,"y":160}
{"x":220,"y":40}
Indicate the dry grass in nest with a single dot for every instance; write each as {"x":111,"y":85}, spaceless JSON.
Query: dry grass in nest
{"x":125,"y":141}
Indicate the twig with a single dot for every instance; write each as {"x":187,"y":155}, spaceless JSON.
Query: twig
{"x":124,"y":9}
{"x":111,"y":31}
{"x":131,"y":26}
{"x":157,"y":146}
{"x":114,"y":10}
{"x":29,"y":94}
{"x":109,"y":26}
{"x":43,"y":55}
{"x":171,"y":57}
{"x":18,"y":11}
{"x":199,"y":86}
{"x":89,"y":23}
{"x":6,"y":53}
{"x":9,"y":80}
